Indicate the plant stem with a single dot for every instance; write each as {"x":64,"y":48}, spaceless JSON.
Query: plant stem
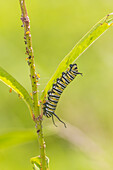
{"x":36,"y":112}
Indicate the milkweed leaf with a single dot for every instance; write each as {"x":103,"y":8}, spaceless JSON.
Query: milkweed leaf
{"x":16,"y":137}
{"x":96,"y":31}
{"x":16,"y":86}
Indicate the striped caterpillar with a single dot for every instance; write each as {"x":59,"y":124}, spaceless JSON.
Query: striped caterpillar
{"x":50,"y":105}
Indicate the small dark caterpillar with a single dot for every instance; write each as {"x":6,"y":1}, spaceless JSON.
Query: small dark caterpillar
{"x":56,"y":91}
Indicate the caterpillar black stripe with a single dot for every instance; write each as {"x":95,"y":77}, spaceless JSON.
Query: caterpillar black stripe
{"x":49,"y":106}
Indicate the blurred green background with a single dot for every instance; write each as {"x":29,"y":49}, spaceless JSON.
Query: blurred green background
{"x":87,"y":103}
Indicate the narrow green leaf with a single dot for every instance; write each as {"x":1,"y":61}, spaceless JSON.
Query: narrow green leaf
{"x":16,"y":137}
{"x":36,"y":162}
{"x":20,"y":136}
{"x":79,"y":48}
{"x":16,"y":86}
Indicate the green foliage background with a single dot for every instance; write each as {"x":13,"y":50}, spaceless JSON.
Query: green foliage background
{"x":56,"y":27}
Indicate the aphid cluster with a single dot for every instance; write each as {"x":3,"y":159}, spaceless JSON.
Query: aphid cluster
{"x":29,"y":51}
{"x":50,"y":105}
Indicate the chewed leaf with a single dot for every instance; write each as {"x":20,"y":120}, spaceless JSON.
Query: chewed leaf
{"x":36,"y":162}
{"x":79,"y":48}
{"x":16,"y":86}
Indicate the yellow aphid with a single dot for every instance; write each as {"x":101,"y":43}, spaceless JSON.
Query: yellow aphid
{"x":10,"y":90}
{"x":26,"y":58}
{"x":27,"y":32}
{"x":19,"y":96}
{"x":38,"y":103}
{"x":30,"y":94}
{"x":44,"y":101}
{"x":110,"y":24}
{"x":38,"y":75}
{"x":67,"y":69}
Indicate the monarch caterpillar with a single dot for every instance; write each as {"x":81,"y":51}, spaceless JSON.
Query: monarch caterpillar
{"x":50,"y":105}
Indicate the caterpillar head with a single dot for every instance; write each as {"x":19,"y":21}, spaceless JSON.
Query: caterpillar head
{"x":73,"y":67}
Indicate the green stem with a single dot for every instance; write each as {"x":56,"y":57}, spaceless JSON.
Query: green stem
{"x":36,"y":112}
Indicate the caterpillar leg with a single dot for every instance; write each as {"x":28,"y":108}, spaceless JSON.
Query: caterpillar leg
{"x":59,"y":119}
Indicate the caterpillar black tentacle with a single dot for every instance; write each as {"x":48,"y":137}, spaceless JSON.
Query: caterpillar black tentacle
{"x":53,"y":121}
{"x":54,"y":94}
{"x":59,"y":119}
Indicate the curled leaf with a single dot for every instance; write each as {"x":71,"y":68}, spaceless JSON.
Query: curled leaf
{"x":36,"y":162}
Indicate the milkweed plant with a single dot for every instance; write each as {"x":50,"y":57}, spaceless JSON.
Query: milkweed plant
{"x":65,"y":73}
